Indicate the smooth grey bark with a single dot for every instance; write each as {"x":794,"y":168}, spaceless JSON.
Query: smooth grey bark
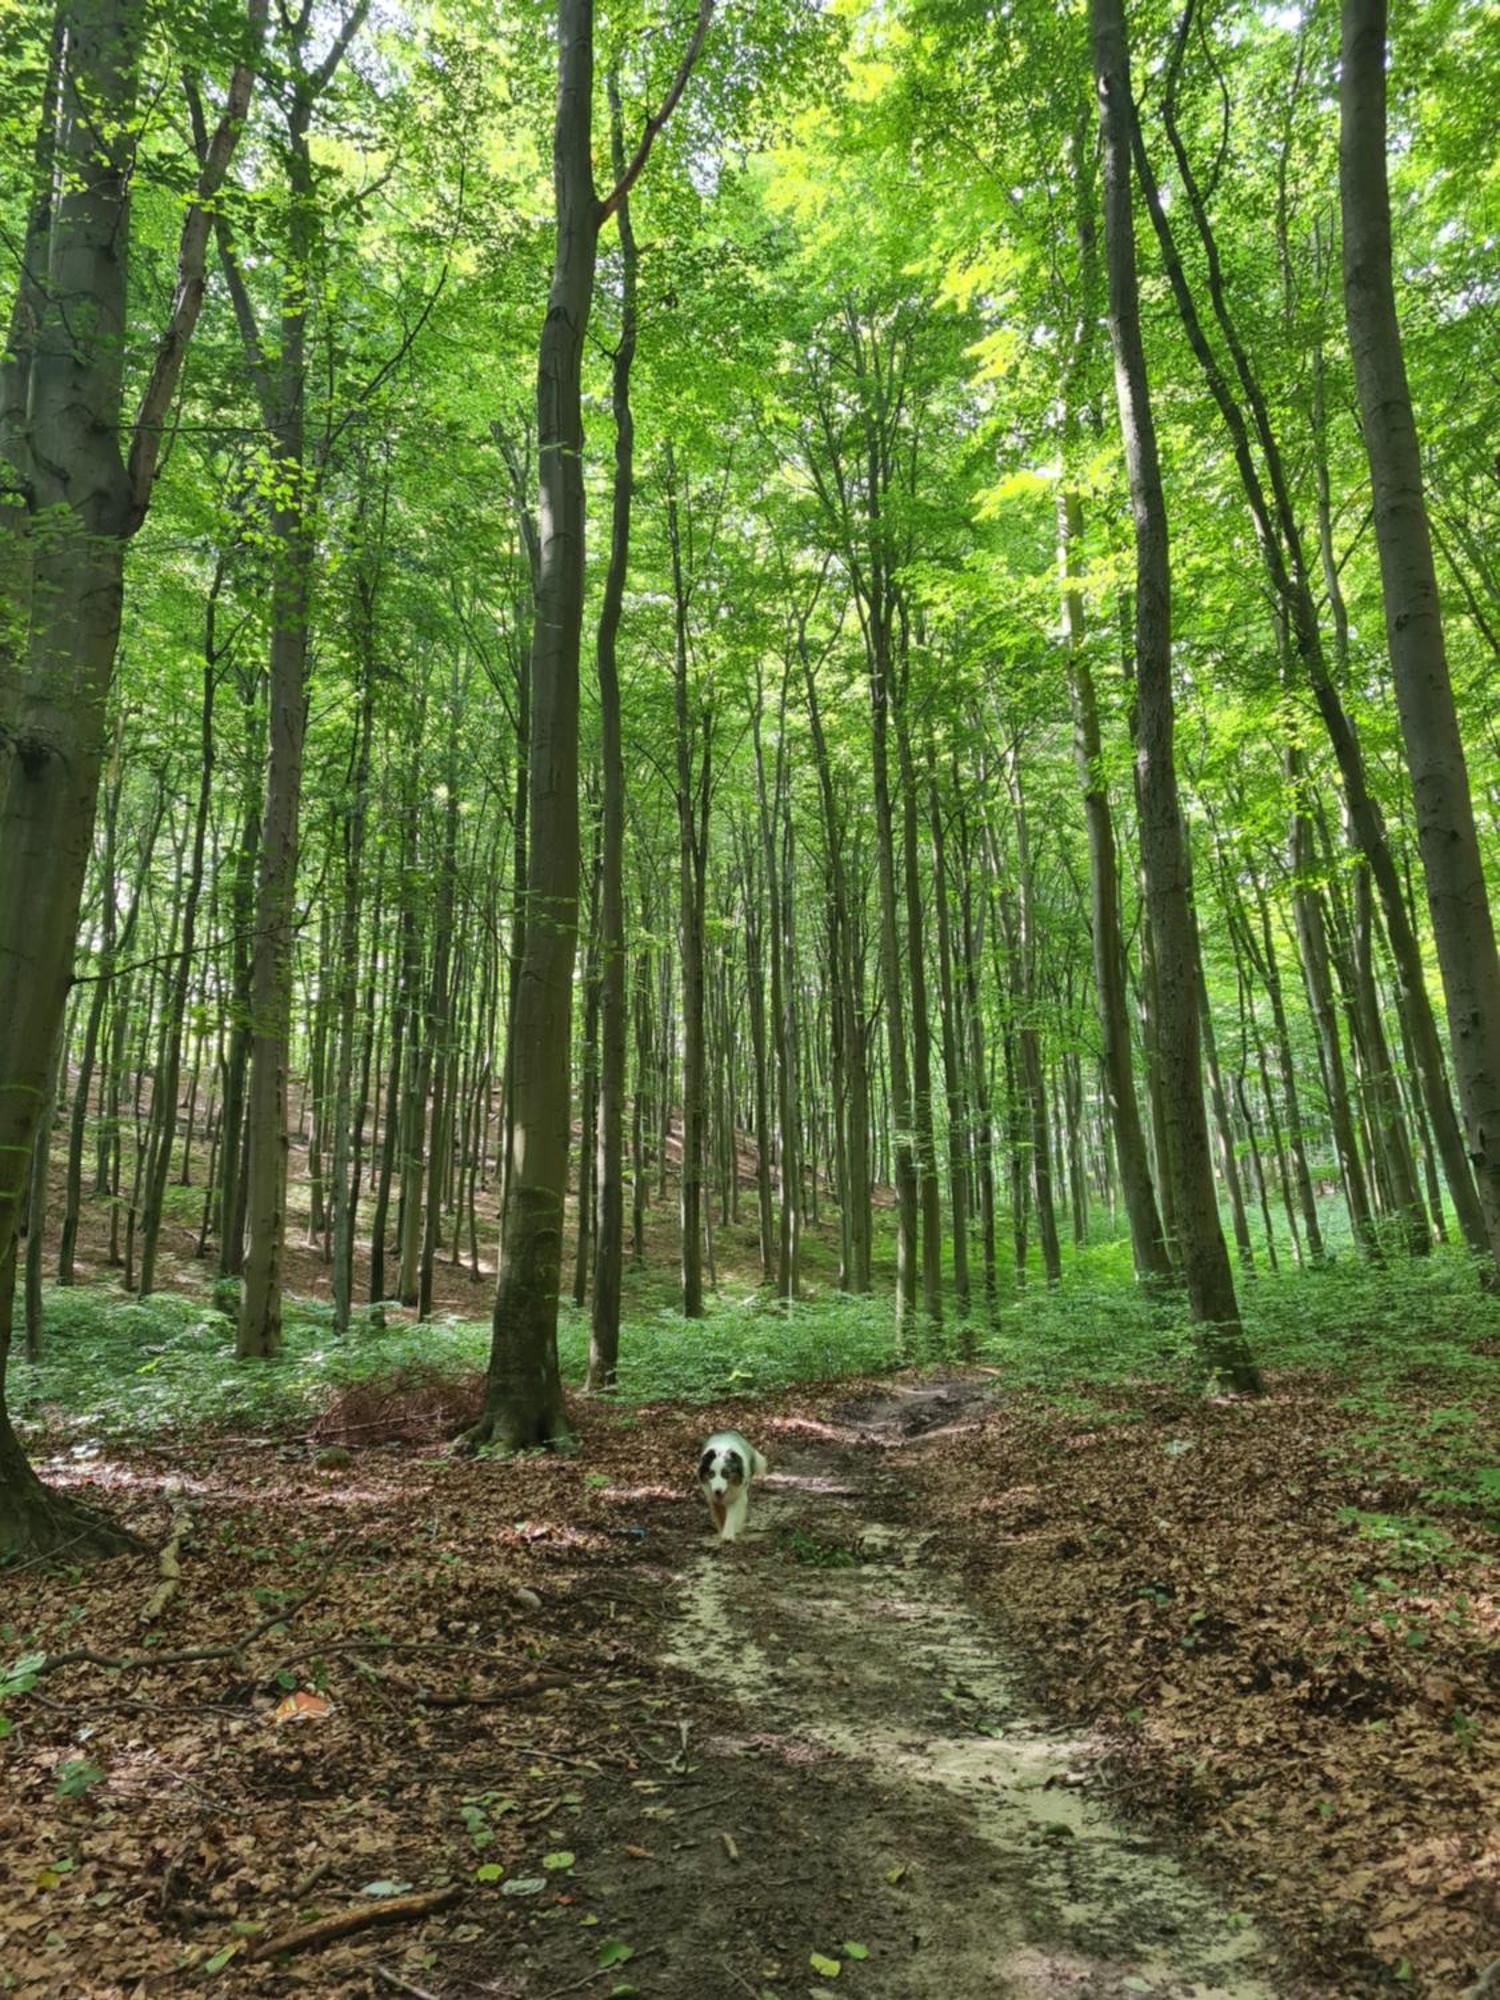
{"x":1210,"y":1281}
{"x":1148,"y":1244}
{"x":609,"y":1235}
{"x":1457,"y":898}
{"x":279,"y":375}
{"x":79,"y":486}
{"x":523,"y":1404}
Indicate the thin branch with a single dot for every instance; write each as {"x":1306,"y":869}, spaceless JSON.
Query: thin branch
{"x":214,"y":156}
{"x":654,"y":124}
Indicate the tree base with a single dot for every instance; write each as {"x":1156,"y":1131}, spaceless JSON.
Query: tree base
{"x":38,"y":1524}
{"x":502,"y":1432}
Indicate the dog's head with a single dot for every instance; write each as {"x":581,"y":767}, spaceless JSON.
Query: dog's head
{"x":721,"y":1471}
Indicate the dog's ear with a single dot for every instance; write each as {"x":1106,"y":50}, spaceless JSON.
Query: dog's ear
{"x":705,"y":1465}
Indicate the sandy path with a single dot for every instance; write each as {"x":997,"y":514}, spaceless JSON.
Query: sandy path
{"x":891,"y":1750}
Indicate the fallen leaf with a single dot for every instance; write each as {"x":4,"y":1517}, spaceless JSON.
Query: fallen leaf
{"x":303,"y":1706}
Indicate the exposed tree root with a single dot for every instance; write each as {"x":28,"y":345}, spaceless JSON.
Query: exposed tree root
{"x":327,"y":1930}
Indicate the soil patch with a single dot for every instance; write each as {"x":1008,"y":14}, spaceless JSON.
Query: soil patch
{"x":1285,"y":1634}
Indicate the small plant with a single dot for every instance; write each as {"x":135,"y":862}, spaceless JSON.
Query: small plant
{"x":18,"y":1678}
{"x":806,"y":1548}
{"x":76,"y":1776}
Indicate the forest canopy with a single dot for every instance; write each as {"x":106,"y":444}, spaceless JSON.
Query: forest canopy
{"x":704,"y":698}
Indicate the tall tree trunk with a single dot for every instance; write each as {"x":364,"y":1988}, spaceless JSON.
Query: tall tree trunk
{"x":347,"y":964}
{"x":609,"y":1241}
{"x":523,"y":1404}
{"x":79,"y":485}
{"x":1210,"y":1281}
{"x":929,"y":1194}
{"x":1147,"y":1240}
{"x":1457,"y":899}
{"x":692,"y":866}
{"x":169,"y":1070}
{"x":953,"y":1073}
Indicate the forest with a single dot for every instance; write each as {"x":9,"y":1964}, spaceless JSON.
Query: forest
{"x":775,"y":715}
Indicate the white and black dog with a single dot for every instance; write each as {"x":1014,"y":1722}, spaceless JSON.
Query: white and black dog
{"x":726,"y":1466}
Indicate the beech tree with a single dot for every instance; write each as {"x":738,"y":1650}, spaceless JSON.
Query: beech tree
{"x":80,"y":487}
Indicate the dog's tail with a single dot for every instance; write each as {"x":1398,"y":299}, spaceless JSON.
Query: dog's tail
{"x":759,"y":1466}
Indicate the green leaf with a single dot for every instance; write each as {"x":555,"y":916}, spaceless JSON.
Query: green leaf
{"x":222,"y":1957}
{"x":385,"y":1888}
{"x":488,"y":1871}
{"x":563,"y":1858}
{"x":856,"y":1950}
{"x":829,"y":1967}
{"x":615,"y":1952}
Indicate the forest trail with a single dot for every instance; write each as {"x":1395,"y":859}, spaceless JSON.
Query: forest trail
{"x":884,"y":1785}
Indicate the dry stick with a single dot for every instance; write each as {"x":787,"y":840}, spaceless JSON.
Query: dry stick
{"x":326,"y":1930}
{"x":143,"y":1662}
{"x":170,"y":1569}
{"x":402,"y":1985}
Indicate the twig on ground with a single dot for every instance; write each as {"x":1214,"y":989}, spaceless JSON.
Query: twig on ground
{"x":170,"y":1569}
{"x":326,"y":1930}
{"x":402,"y":1985}
{"x":235,"y":1650}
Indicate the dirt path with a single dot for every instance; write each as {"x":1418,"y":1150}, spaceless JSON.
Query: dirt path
{"x":856,"y":1768}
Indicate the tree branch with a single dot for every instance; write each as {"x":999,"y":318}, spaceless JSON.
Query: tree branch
{"x":214,"y":157}
{"x":654,"y":124}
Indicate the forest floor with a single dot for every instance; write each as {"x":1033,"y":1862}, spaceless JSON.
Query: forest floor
{"x":1004,"y":1694}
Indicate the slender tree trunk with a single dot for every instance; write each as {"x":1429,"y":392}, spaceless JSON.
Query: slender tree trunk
{"x":1210,"y":1281}
{"x":692,"y":884}
{"x":347,"y":965}
{"x":953,"y":1076}
{"x":609,"y":1247}
{"x":1147,"y":1240}
{"x":523,"y":1403}
{"x":929,"y":1194}
{"x":169,"y":1070}
{"x":1457,"y":898}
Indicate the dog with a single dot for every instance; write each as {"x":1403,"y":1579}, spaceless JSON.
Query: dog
{"x":726,"y":1466}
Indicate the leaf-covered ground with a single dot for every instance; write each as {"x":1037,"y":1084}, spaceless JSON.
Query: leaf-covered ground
{"x":1283,"y":1632}
{"x":1288,"y":1634}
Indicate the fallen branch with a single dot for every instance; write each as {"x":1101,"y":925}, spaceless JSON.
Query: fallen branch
{"x":235,"y":1650}
{"x":170,"y":1569}
{"x":327,"y":1930}
{"x":402,"y":1985}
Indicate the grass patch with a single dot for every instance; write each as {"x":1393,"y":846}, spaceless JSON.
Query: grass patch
{"x":1414,"y":1345}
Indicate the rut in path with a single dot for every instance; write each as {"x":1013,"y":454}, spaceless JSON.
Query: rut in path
{"x":1000,"y":1877}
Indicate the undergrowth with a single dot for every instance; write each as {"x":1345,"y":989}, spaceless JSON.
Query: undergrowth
{"x":1392,"y":1336}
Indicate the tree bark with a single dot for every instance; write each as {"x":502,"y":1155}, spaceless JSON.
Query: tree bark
{"x":1210,"y":1281}
{"x":73,"y":500}
{"x":1457,"y":899}
{"x":609,"y":1240}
